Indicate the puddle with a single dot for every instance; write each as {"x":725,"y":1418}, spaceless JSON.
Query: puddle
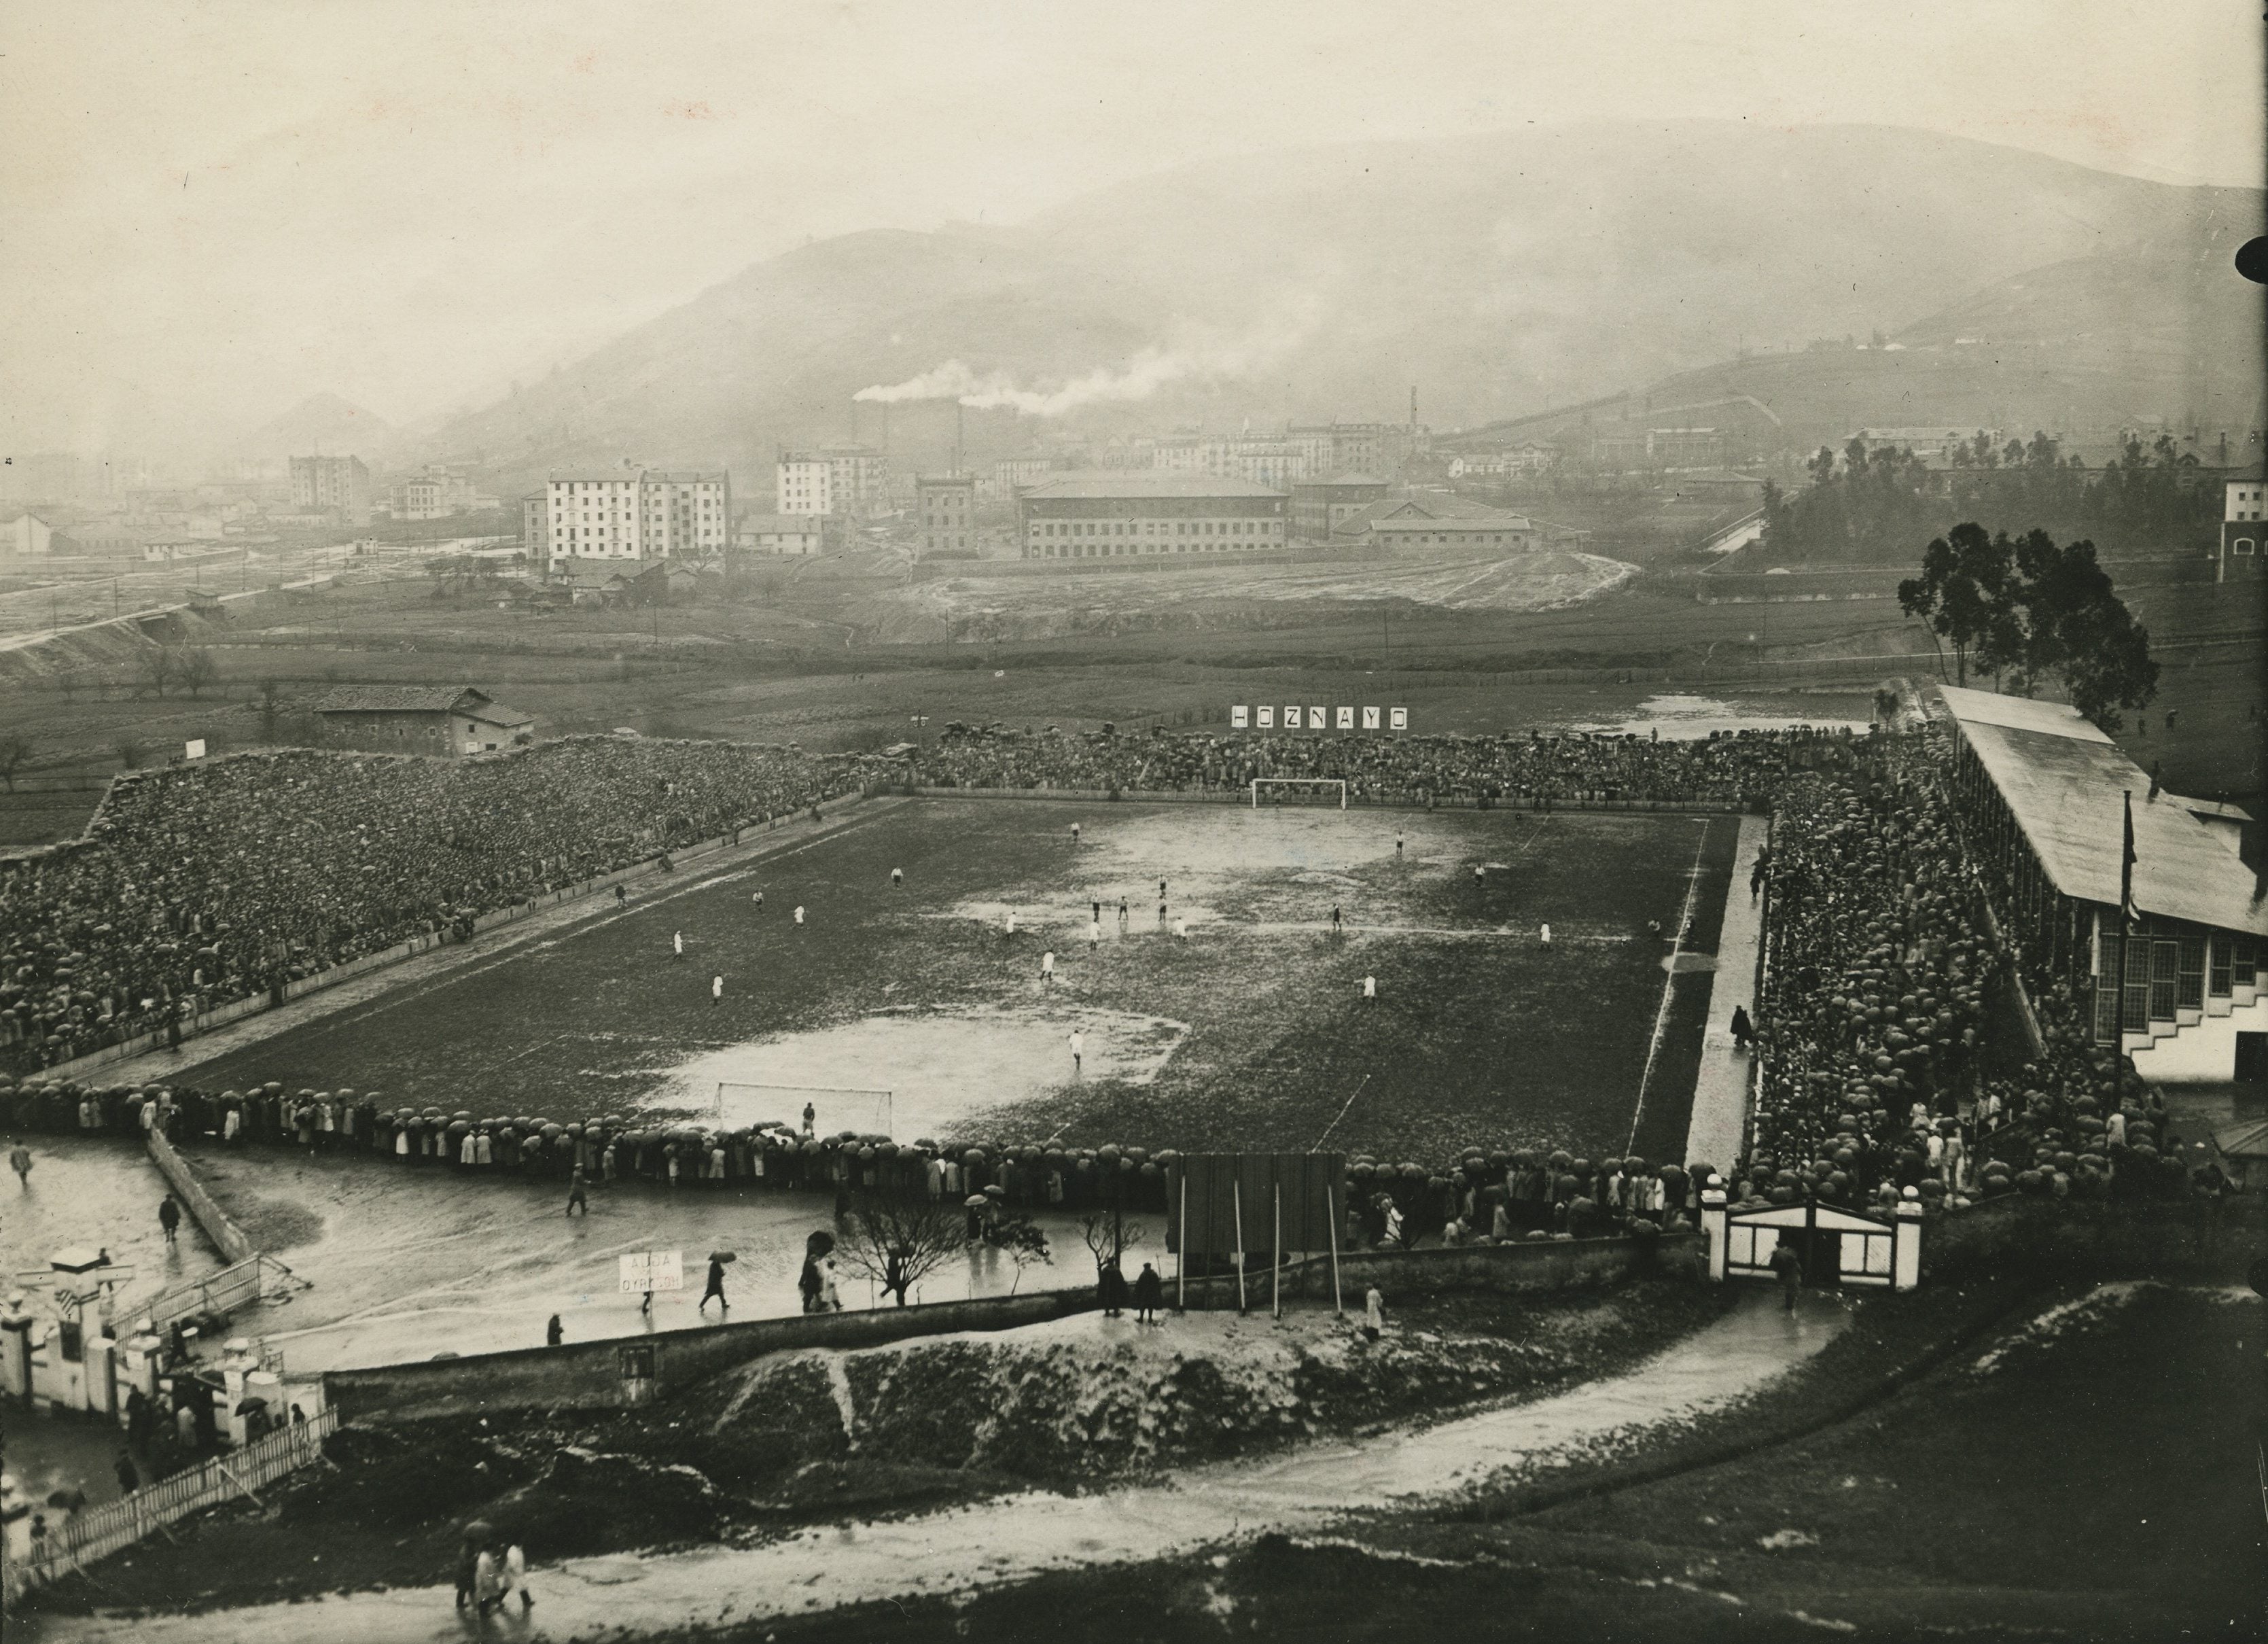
{"x":943,"y":1068}
{"x":1680,"y":717}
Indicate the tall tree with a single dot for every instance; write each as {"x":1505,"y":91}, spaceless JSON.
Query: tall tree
{"x":1963,"y":593}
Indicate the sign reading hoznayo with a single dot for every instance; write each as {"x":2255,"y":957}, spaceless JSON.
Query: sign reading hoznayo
{"x":643,"y":1271}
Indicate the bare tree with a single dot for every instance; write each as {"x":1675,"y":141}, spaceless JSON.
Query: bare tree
{"x":198,"y":669}
{"x":14,"y":750}
{"x":899,"y":1239}
{"x":1024,"y":1240}
{"x":1107,"y":1237}
{"x":271,"y":709}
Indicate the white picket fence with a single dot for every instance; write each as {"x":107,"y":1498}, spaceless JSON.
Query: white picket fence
{"x":97,"y":1532}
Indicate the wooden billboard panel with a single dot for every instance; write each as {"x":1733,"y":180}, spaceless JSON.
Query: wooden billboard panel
{"x":1205,"y":1193}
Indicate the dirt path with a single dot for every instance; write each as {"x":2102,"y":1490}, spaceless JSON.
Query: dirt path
{"x":1721,"y":1092}
{"x":1019,"y":1537}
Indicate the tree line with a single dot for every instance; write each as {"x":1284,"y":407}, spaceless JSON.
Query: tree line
{"x":2025,"y":610}
{"x":1871,"y":503}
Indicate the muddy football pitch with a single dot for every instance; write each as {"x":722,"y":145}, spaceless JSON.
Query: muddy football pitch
{"x":1252,"y":1030}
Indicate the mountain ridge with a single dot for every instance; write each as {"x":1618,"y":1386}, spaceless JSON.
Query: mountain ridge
{"x":1502,"y":273}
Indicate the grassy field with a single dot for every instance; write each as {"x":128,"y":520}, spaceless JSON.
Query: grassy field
{"x":1251,"y":1033}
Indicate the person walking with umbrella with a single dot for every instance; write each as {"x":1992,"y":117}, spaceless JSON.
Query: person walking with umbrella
{"x":169,"y":1218}
{"x":1114,"y":1289}
{"x":716,"y":1290}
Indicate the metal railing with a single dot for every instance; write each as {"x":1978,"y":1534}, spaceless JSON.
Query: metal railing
{"x":223,"y":1292}
{"x":97,"y":1532}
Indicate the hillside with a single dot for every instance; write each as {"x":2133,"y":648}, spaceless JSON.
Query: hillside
{"x":321,"y":422}
{"x":1499,"y":275}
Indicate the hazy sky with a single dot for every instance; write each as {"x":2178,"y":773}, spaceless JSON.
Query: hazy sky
{"x":211,"y":210}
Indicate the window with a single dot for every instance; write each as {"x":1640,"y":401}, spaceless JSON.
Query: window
{"x":2217,"y":972}
{"x":2165,"y":971}
{"x":2242,"y":965}
{"x":2134,"y":985}
{"x":2190,"y":993}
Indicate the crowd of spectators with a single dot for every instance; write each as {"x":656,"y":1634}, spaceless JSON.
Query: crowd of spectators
{"x":1883,"y":982}
{"x":202,"y":884}
{"x":1742,"y":769}
{"x":1872,"y":1027}
{"x":663,"y":1154}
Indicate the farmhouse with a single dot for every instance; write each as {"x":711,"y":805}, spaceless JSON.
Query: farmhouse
{"x":444,"y":719}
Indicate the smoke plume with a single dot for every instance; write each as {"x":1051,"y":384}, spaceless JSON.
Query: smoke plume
{"x":1138,"y":379}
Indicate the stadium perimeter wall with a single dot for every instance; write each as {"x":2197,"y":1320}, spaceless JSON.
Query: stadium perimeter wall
{"x":218,"y":1226}
{"x":625,"y":1372}
{"x":2178,"y":1239}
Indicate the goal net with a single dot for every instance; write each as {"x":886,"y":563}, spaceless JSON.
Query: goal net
{"x":1321,"y":788}
{"x":834,"y":1107}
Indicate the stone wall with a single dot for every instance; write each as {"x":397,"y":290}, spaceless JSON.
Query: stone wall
{"x":625,"y":1371}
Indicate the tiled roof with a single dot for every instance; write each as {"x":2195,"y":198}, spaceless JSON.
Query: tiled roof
{"x":395,"y":698}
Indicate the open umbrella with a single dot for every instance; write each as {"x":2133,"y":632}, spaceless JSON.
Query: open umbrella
{"x":975,"y":1201}
{"x":722,"y":1256}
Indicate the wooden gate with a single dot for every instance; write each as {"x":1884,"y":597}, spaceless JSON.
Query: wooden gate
{"x":1836,"y":1246}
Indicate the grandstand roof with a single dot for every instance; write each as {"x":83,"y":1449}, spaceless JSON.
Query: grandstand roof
{"x":2063,"y":780}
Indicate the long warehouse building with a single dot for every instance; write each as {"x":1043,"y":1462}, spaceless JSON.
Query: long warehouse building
{"x":1103,"y":516}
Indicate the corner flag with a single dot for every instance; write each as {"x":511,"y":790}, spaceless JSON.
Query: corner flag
{"x":2126,"y":909}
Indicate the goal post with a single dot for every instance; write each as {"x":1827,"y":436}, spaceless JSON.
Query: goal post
{"x":834,"y":1108}
{"x":1259,"y":783}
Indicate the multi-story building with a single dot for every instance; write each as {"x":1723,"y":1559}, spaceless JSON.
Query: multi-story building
{"x":1102,"y":516}
{"x":638,"y":514}
{"x":1263,"y":459}
{"x":946,"y":505}
{"x":1010,"y":474}
{"x":1349,"y":447}
{"x":2243,"y":513}
{"x":1531,"y":458}
{"x":851,"y":480}
{"x":425,"y":497}
{"x":341,"y":482}
{"x":1320,"y":506}
{"x":535,"y":526}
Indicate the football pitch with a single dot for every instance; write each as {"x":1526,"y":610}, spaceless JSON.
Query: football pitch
{"x":1251,"y":1032}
